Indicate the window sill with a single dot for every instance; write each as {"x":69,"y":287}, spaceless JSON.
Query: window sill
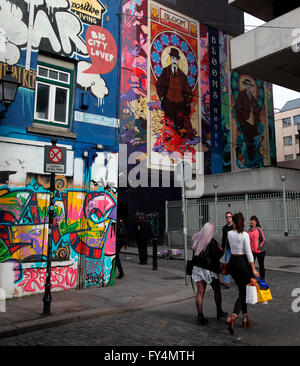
{"x":54,"y":131}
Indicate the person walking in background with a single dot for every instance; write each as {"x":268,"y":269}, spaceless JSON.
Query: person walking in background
{"x":142,"y":235}
{"x":225,"y":245}
{"x":241,"y":268}
{"x":206,"y":270}
{"x":121,"y":241}
{"x":257,"y":242}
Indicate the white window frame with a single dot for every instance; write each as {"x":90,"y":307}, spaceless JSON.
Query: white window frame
{"x":53,"y":84}
{"x":51,"y":104}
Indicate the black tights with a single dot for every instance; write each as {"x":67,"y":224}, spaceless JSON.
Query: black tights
{"x":240,"y":304}
{"x":201,"y":287}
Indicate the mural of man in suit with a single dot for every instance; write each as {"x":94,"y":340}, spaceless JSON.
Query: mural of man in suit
{"x":174,"y":91}
{"x":247,"y":113}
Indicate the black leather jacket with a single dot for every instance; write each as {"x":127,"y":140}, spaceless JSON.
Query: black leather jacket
{"x":210,"y":257}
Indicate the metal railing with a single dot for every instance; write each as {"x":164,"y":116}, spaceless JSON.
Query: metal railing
{"x":278,"y":213}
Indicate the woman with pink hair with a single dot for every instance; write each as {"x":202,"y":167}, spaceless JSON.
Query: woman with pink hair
{"x":206,"y":270}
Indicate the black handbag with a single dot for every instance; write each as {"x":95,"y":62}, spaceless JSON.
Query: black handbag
{"x":189,"y":267}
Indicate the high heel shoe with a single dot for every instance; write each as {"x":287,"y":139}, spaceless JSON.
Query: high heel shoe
{"x":201,"y":320}
{"x":220,"y":314}
{"x":246,"y":322}
{"x":231,"y":322}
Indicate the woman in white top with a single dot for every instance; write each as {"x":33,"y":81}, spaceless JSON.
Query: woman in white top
{"x":241,"y":268}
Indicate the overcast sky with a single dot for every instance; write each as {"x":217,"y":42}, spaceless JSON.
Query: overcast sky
{"x":281,"y":95}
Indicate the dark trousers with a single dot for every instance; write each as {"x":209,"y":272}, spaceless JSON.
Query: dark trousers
{"x":118,"y":261}
{"x":241,"y":272}
{"x":143,"y":252}
{"x":261,"y":263}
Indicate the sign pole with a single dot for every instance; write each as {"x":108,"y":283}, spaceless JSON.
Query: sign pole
{"x":184,"y":219}
{"x":47,"y":295}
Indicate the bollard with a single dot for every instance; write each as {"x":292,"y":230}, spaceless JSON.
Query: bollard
{"x":154,"y":257}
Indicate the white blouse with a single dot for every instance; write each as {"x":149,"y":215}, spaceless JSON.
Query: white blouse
{"x":240,"y":244}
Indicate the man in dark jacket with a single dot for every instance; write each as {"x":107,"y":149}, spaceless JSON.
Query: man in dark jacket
{"x":225,"y":245}
{"x":174,"y":91}
{"x":142,"y":235}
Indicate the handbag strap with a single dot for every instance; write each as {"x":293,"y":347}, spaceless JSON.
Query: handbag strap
{"x":192,"y":282}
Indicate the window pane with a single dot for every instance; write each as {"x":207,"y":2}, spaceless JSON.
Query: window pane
{"x":297,"y":120}
{"x":288,"y":141}
{"x":43,"y":71}
{"x":286,"y":122}
{"x":42,"y":102}
{"x":60,"y":105}
{"x":288,"y":157}
{"x":63,"y":77}
{"x":53,"y":74}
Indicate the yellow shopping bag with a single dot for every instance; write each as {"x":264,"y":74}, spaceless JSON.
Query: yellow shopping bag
{"x":263,"y":291}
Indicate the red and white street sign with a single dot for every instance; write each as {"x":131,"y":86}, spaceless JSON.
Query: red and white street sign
{"x":55,"y":155}
{"x":55,"y":159}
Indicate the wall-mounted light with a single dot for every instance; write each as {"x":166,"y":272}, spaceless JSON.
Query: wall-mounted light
{"x":8,"y":91}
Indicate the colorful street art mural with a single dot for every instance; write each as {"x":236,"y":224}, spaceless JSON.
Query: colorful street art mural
{"x":203,"y":108}
{"x":85,"y":35}
{"x":173,"y":95}
{"x":83,"y":31}
{"x":250,"y":125}
{"x":133,"y":93}
{"x":83,"y":235}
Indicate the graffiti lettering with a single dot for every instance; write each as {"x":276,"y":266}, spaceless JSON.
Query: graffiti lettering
{"x":61,"y":277}
{"x":25,"y":78}
{"x":83,"y":224}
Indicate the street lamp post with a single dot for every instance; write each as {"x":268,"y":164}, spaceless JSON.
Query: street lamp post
{"x":8,"y":91}
{"x":182,"y":167}
{"x":47,"y":294}
{"x":216,"y":185}
{"x":283,"y":179}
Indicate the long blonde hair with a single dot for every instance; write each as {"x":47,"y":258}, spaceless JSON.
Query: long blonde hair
{"x":203,"y":238}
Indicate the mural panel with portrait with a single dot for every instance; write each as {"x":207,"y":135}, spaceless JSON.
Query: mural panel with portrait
{"x":250,"y":124}
{"x":173,"y":91}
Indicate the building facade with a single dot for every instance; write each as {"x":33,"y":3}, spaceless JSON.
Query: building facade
{"x":286,"y":128}
{"x":228,"y":122}
{"x":272,"y":51}
{"x":64,"y":54}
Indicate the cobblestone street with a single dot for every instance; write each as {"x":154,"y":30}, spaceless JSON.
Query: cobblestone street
{"x":274,"y":324}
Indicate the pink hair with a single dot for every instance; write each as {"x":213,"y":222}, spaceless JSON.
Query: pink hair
{"x":203,"y":238}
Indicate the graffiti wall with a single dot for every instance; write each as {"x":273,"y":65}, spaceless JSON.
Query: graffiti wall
{"x":169,"y":113}
{"x":83,"y":235}
{"x":84,"y":32}
{"x":81,"y":36}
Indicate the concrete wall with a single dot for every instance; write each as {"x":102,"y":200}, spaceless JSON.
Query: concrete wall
{"x":249,"y":181}
{"x":270,"y":52}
